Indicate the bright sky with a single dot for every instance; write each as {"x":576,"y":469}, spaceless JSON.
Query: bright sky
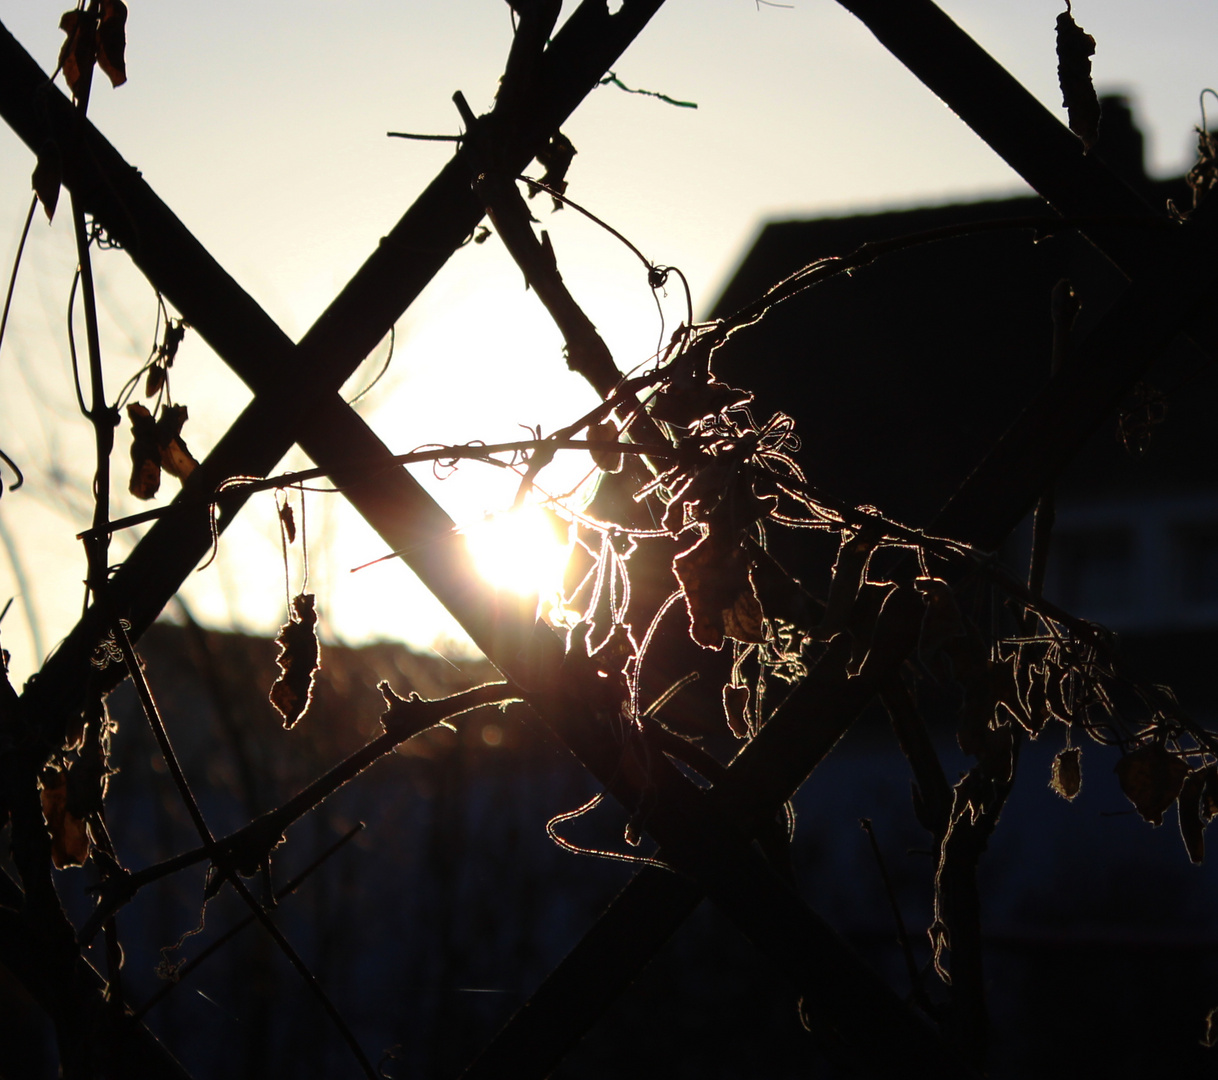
{"x":262,"y":125}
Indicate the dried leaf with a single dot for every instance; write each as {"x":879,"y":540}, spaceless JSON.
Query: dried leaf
{"x":154,"y":381}
{"x":157,"y":445}
{"x":1151,"y":778}
{"x":112,"y":41}
{"x":1192,"y":827}
{"x":1067,"y":775}
{"x":176,"y":458}
{"x":719,"y":593}
{"x":298,"y":660}
{"x":287,"y":518}
{"x":736,"y":708}
{"x":145,"y":453}
{"x":69,"y":838}
{"x":1074,"y":51}
{"x":48,"y":177}
{"x":608,"y":460}
{"x":79,"y":50}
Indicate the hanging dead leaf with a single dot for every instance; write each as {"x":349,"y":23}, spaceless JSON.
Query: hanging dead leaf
{"x":145,"y":453}
{"x":48,"y":177}
{"x":79,"y":50}
{"x":1075,"y":48}
{"x":154,"y":380}
{"x":69,"y":837}
{"x":298,"y":660}
{"x":719,"y":593}
{"x":112,"y":41}
{"x":607,"y":460}
{"x":176,"y":458}
{"x":1151,"y":777}
{"x":287,"y":518}
{"x":157,"y":445}
{"x":1067,"y":775}
{"x":736,"y":709}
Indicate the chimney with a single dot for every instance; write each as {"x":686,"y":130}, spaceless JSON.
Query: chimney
{"x":1121,"y":145}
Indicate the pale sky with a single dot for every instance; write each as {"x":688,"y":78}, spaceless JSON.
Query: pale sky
{"x":262,"y":125}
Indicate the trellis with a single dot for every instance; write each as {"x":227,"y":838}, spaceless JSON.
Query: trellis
{"x":704,"y":834}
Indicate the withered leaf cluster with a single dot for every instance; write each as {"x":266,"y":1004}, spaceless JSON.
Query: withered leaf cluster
{"x":96,"y":34}
{"x":156,"y":445}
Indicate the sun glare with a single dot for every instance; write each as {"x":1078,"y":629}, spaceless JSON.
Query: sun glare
{"x":523,"y":550}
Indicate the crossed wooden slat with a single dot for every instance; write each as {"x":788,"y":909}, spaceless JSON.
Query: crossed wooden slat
{"x":704,"y":834}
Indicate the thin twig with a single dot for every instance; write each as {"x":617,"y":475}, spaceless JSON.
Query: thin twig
{"x":153,"y":715}
{"x":423,"y":138}
{"x":302,"y":969}
{"x":911,"y":965}
{"x":469,"y":452}
{"x":250,"y":845}
{"x":284,"y":891}
{"x":12,"y":281}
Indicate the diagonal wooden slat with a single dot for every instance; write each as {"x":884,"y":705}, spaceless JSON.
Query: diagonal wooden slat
{"x":727,"y":868}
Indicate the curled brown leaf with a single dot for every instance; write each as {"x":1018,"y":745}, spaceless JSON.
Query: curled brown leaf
{"x":719,"y":593}
{"x":298,"y":660}
{"x":79,"y":50}
{"x":1067,"y":776}
{"x":69,"y":837}
{"x":48,"y":177}
{"x":1151,"y":777}
{"x":1075,"y":47}
{"x":112,"y":41}
{"x":736,"y":709}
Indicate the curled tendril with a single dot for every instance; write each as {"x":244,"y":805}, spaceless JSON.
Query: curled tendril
{"x":16,"y":471}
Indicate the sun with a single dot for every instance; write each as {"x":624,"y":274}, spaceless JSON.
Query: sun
{"x":524,"y":551}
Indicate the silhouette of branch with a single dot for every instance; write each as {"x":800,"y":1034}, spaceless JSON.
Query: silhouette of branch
{"x":232,"y":932}
{"x":302,"y":969}
{"x":247,"y":848}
